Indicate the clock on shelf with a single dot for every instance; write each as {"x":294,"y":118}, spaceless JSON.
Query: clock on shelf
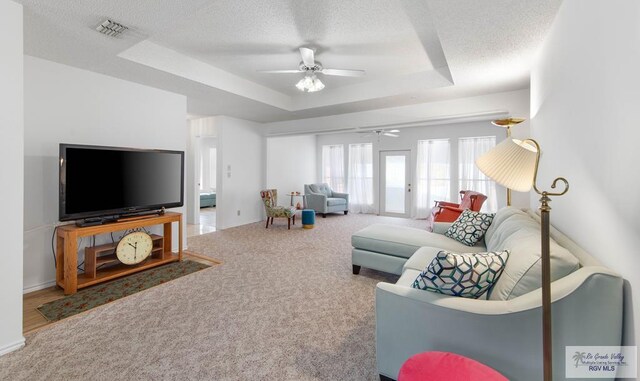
{"x":134,"y":247}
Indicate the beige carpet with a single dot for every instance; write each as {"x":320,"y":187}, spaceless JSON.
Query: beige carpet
{"x":283,"y":306}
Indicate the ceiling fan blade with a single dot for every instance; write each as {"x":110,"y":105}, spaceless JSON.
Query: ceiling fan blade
{"x":343,"y":72}
{"x":392,"y":135}
{"x":392,"y":131}
{"x":280,"y":71}
{"x":308,"y":57}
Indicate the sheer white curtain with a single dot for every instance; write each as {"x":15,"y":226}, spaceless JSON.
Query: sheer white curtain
{"x":470,"y":177}
{"x":433,"y":175}
{"x":333,"y":166}
{"x":360,"y":185}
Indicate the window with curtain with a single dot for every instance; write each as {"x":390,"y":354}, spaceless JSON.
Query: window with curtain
{"x":360,"y":184}
{"x":433,"y":175}
{"x":470,"y":177}
{"x":333,"y":166}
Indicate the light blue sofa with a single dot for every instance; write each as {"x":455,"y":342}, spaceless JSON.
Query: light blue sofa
{"x":323,"y":200}
{"x":207,"y":199}
{"x":503,"y":329}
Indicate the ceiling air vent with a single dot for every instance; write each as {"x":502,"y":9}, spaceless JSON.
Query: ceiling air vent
{"x":111,"y":28}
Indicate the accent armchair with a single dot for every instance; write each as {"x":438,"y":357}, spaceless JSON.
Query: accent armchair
{"x":448,"y":211}
{"x":270,"y":201}
{"x":322,"y":199}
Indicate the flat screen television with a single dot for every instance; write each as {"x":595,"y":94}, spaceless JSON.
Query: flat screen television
{"x":101,"y":182}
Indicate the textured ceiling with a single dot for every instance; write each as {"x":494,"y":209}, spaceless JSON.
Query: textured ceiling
{"x":245,"y":36}
{"x":413,"y":50}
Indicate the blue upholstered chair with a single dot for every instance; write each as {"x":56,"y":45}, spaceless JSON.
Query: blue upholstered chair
{"x":322,"y":199}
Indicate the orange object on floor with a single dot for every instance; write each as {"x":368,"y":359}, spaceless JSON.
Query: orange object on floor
{"x":445,"y":366}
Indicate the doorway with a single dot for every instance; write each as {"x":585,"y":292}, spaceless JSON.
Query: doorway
{"x":395,"y":183}
{"x":206,"y":180}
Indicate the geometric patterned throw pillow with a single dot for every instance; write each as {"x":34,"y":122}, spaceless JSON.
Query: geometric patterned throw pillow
{"x":470,"y":227}
{"x":466,"y":275}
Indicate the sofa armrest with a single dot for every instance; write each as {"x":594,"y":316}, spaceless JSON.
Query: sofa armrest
{"x":560,"y":289}
{"x":441,"y":227}
{"x":410,"y":321}
{"x":317,"y":202}
{"x":453,"y":208}
{"x":341,"y":195}
{"x":445,"y":203}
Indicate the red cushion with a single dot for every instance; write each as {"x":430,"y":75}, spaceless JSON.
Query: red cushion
{"x":444,"y":366}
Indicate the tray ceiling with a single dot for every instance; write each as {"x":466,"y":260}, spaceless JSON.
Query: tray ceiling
{"x":412,"y":50}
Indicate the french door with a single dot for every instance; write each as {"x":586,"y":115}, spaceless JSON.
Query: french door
{"x":395,"y":183}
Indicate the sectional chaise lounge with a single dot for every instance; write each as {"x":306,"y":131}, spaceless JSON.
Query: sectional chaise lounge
{"x":502,"y":329}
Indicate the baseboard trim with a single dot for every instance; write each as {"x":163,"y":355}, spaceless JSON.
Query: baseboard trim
{"x":12,"y":347}
{"x":38,"y":287}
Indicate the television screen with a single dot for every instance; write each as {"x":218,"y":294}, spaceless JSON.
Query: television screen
{"x":105,"y":181}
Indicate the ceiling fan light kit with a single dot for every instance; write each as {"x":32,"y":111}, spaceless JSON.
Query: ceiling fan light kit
{"x":310,"y":83}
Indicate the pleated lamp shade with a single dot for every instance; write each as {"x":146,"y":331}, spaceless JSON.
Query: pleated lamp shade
{"x":512,"y":164}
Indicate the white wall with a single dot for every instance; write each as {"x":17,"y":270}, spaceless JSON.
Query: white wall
{"x":11,"y":167}
{"x":585,"y":94}
{"x":291,"y":163}
{"x":68,"y":105}
{"x":408,"y":140}
{"x":241,"y":171}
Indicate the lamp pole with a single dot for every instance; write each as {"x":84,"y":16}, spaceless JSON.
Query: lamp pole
{"x":545,"y":234}
{"x":509,"y":189}
{"x":508,"y":123}
{"x":514,"y":164}
{"x":547,"y":342}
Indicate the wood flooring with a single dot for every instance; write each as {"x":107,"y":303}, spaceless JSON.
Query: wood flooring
{"x":31,"y":317}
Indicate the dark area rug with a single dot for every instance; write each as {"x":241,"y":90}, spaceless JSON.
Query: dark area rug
{"x":101,"y":294}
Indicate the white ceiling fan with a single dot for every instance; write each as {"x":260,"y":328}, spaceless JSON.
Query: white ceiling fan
{"x":379,"y":133}
{"x":310,"y":67}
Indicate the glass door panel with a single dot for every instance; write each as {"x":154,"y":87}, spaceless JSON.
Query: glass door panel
{"x":395,"y":186}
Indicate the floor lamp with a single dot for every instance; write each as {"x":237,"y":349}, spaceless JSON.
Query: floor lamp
{"x":514,"y":164}
{"x":508,"y":123}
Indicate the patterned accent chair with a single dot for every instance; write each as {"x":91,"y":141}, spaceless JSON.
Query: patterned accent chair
{"x":448,"y":211}
{"x":270,"y":201}
{"x":322,"y":199}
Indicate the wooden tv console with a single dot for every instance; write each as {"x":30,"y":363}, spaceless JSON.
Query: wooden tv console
{"x":67,"y":237}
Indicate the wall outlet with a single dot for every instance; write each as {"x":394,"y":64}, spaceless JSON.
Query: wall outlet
{"x":238,"y":212}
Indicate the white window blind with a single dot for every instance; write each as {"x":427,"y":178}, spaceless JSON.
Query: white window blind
{"x":333,"y":166}
{"x":360,"y":184}
{"x":470,"y":177}
{"x":433,"y":174}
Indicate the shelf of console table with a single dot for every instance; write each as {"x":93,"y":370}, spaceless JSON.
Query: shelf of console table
{"x":67,"y":236}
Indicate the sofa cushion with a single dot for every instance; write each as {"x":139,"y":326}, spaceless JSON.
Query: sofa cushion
{"x":421,"y":258}
{"x":401,"y":241}
{"x":321,"y":188}
{"x":408,"y":277}
{"x":498,"y":218}
{"x":466,"y":275}
{"x":516,"y":231}
{"x":469,"y":227}
{"x":332,"y":201}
